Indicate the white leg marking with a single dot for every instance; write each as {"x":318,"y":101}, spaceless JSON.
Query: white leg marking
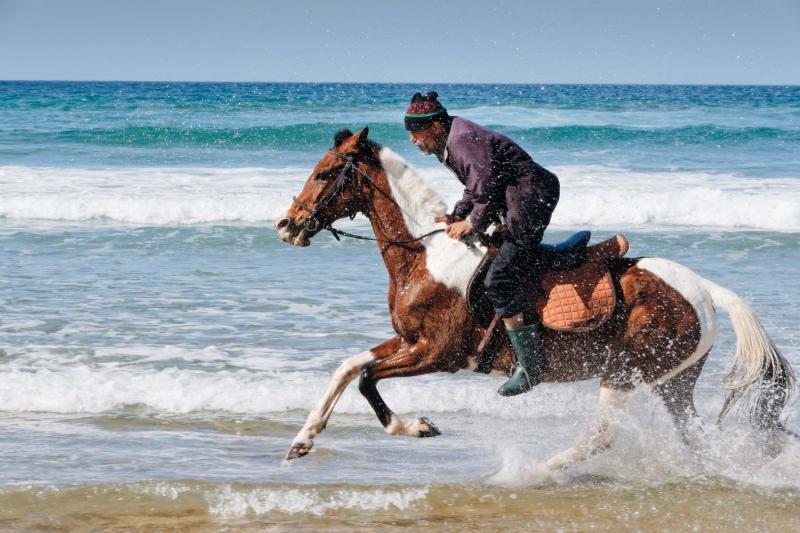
{"x":693,"y":290}
{"x":400,"y":426}
{"x":318,"y":418}
{"x":600,"y":434}
{"x":472,"y":362}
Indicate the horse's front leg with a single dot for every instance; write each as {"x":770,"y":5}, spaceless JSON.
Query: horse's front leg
{"x":347,"y":372}
{"x":408,"y":360}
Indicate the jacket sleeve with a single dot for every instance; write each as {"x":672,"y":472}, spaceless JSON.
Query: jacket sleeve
{"x":474,"y":158}
{"x":463,"y":206}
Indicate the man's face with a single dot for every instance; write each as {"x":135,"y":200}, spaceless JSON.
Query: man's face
{"x":430,"y":139}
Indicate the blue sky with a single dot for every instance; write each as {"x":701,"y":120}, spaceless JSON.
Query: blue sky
{"x":558,"y":41}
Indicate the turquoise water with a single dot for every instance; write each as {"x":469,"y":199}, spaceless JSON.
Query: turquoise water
{"x":726,"y":129}
{"x":154,"y":328}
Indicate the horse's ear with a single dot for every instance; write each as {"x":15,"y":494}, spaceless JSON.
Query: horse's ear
{"x":362,"y":135}
{"x":340,"y":137}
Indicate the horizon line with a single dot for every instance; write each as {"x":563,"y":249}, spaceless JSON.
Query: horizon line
{"x":426,"y":83}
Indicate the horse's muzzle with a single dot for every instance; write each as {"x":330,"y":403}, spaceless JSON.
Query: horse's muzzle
{"x":291,"y":232}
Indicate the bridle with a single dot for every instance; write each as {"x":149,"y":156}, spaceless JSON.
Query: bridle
{"x":344,"y":180}
{"x":348,"y":177}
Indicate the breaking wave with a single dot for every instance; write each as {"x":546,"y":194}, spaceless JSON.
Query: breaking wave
{"x":181,"y":391}
{"x":592,"y":196}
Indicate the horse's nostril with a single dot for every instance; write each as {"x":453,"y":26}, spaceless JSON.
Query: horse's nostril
{"x":283,"y":223}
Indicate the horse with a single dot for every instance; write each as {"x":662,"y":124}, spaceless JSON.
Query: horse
{"x":659,"y":335}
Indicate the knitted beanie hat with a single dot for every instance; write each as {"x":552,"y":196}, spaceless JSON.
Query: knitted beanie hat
{"x":423,"y":111}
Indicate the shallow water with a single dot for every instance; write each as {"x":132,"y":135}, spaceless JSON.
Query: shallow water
{"x":173,"y":355}
{"x":160,"y":347}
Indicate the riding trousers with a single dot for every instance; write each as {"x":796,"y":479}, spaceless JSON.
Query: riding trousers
{"x":514,"y":277}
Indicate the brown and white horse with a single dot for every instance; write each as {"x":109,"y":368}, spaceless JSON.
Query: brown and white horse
{"x":660,"y":334}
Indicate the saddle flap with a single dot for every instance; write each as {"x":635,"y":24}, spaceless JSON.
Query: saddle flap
{"x":577,"y":300}
{"x":583,"y":298}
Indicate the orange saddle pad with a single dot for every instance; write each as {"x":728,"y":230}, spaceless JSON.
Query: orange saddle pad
{"x":583,"y":298}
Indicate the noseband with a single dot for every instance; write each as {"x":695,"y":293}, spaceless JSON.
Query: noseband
{"x":347,"y":178}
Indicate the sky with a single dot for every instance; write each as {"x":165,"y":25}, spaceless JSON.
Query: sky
{"x":558,"y":41}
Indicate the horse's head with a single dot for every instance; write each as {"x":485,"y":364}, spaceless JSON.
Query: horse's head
{"x":335,"y":189}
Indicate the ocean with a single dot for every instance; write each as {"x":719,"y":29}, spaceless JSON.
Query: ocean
{"x":160,"y":346}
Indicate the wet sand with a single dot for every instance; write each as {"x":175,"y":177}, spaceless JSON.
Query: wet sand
{"x":592,"y":505}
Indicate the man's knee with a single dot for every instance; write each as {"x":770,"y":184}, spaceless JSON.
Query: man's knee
{"x":503,"y":293}
{"x":499,"y":286}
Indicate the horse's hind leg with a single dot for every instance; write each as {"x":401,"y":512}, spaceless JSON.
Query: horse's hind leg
{"x":347,"y":372}
{"x":678,"y":397}
{"x":411,"y":360}
{"x":600,"y":434}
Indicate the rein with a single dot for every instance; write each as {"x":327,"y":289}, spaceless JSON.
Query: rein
{"x":311,"y":222}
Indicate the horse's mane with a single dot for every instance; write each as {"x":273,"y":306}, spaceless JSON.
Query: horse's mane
{"x":418,"y":201}
{"x":448,"y":261}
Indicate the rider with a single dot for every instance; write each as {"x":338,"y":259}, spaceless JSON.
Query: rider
{"x":501,"y":180}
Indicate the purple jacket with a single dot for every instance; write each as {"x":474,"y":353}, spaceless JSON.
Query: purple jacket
{"x":500,"y":179}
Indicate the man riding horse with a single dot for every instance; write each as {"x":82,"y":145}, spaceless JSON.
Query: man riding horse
{"x":502,"y":184}
{"x":658,"y":319}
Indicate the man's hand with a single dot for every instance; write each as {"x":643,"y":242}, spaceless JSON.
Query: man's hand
{"x":459,"y":230}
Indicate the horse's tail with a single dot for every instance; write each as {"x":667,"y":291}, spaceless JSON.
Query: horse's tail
{"x":757,"y":363}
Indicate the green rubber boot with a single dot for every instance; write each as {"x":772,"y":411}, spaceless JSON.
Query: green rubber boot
{"x":527,"y":344}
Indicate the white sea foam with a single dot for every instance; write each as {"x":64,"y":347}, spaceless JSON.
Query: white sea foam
{"x":649,"y":451}
{"x":230,"y":502}
{"x":615,"y":198}
{"x":148,"y":195}
{"x":85,"y":389}
{"x":592,"y":196}
{"x":227,"y":500}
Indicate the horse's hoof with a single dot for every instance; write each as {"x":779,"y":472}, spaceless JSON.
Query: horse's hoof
{"x":298,"y":449}
{"x":427,"y":428}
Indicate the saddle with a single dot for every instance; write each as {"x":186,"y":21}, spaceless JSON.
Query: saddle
{"x":577,"y":293}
